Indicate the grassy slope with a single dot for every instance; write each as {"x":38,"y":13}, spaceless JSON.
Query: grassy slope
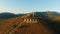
{"x":45,"y":27}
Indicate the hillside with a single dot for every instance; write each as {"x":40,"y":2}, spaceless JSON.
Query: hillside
{"x":34,"y":28}
{"x":14,"y":26}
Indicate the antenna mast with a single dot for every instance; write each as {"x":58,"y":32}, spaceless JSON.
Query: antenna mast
{"x":33,"y":14}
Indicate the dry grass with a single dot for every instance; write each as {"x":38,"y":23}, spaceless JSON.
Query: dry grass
{"x":32,"y":28}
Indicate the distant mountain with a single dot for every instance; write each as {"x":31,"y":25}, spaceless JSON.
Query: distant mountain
{"x":19,"y":14}
{"x":8,"y":15}
{"x":47,"y":14}
{"x":40,"y":14}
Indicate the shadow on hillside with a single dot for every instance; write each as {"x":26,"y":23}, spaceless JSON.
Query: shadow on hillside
{"x":53,"y":26}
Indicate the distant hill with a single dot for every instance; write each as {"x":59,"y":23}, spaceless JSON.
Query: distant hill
{"x":47,"y":14}
{"x":8,"y":15}
{"x":19,"y":14}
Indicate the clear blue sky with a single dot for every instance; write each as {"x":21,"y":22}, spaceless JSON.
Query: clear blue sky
{"x":25,"y":6}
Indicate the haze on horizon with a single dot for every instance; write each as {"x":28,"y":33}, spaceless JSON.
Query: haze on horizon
{"x":26,"y":6}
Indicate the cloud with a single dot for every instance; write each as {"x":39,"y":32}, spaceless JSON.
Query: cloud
{"x":11,"y":11}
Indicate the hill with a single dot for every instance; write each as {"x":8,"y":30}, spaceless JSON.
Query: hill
{"x":17,"y":26}
{"x":47,"y":14}
{"x":34,"y":28}
{"x":41,"y":14}
{"x":9,"y":15}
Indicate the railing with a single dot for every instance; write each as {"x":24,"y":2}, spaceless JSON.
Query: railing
{"x":30,"y":20}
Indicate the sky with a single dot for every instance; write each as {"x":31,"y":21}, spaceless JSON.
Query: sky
{"x":26,"y":6}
